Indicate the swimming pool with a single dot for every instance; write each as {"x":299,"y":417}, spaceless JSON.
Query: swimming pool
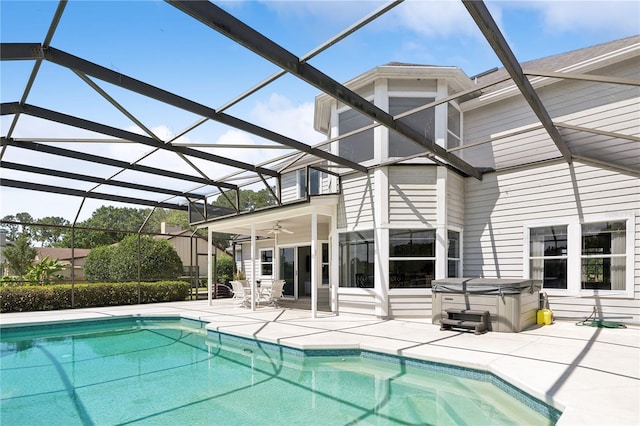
{"x":172,"y":371}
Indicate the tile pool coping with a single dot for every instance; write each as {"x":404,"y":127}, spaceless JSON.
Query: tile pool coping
{"x":567,"y":367}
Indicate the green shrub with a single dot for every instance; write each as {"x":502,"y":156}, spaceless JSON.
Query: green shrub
{"x":119,"y":263}
{"x":53,"y":297}
{"x":224,"y":267}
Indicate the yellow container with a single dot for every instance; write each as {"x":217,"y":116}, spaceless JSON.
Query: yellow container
{"x":544,"y":317}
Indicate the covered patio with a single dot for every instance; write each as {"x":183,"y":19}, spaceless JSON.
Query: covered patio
{"x":294,"y":235}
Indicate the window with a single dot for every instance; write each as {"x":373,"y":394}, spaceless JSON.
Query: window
{"x":357,"y":259}
{"x":358,"y":147}
{"x":266,"y":263}
{"x":583,"y":257}
{"x":302,"y":183}
{"x":325,"y":263}
{"x":603,"y":255}
{"x":411,"y":258}
{"x":548,"y":256}
{"x":453,"y":126}
{"x":423,"y":122}
{"x":453,"y":254}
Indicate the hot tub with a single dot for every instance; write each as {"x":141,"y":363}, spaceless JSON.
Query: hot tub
{"x":512,"y":303}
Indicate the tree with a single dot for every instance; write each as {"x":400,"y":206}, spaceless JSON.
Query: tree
{"x":20,"y":256}
{"x":12,"y":229}
{"x":97,"y":265}
{"x":249,"y":199}
{"x":107,"y":217}
{"x":158,"y":260}
{"x":50,"y":235}
{"x":224,"y":269}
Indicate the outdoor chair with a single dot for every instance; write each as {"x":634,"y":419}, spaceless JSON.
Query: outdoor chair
{"x":241,"y":293}
{"x":274,"y":293}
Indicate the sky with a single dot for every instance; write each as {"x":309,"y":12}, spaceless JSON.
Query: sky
{"x":152,"y":41}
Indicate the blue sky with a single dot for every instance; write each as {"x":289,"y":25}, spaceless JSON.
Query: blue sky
{"x":152,"y":41}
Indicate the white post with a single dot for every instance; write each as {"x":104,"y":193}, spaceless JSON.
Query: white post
{"x":441,"y":223}
{"x":209,"y":264}
{"x":253,"y":267}
{"x":314,"y":267}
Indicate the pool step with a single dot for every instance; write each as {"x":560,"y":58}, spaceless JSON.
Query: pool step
{"x":478,"y":321}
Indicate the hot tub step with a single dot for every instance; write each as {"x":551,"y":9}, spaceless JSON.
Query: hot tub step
{"x":478,"y":321}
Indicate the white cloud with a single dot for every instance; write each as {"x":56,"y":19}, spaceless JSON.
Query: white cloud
{"x":338,"y":11}
{"x":594,"y":16}
{"x":295,"y":121}
{"x":440,"y":19}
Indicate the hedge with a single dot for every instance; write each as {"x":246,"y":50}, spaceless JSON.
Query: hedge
{"x":53,"y":297}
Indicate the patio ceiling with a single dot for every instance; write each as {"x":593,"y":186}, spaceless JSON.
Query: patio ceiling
{"x":125,"y":160}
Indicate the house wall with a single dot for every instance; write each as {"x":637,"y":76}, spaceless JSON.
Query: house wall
{"x":289,"y":190}
{"x":610,"y":107}
{"x":355,"y":208}
{"x":500,"y":206}
{"x":455,"y":200}
{"x":183,"y":246}
{"x":412,"y":195}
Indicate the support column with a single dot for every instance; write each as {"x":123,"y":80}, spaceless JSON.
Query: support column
{"x":253,"y":283}
{"x":441,"y":224}
{"x":314,"y":266}
{"x":209,"y":264}
{"x":334,"y":260}
{"x":381,"y":232}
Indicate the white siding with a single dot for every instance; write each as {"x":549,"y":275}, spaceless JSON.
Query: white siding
{"x":355,"y":209}
{"x":412,"y":195}
{"x":455,"y":200}
{"x":498,"y":207}
{"x":410,"y":304}
{"x":602,"y":106}
{"x":289,"y":191}
{"x":357,"y":302}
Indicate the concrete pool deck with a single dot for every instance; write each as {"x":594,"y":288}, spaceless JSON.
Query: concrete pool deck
{"x":590,"y":374}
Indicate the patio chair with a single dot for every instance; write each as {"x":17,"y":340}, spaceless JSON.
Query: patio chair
{"x":274,"y":294}
{"x":241,"y":293}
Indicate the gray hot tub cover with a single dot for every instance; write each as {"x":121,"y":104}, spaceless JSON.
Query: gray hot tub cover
{"x":499,"y":286}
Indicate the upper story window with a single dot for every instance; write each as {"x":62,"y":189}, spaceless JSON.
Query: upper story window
{"x":423,"y":122}
{"x":358,"y":147}
{"x":454,"y":126}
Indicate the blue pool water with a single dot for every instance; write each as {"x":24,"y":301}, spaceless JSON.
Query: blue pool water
{"x":174,"y":372}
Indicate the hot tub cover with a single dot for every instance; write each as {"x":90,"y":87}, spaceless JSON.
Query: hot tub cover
{"x":499,"y":286}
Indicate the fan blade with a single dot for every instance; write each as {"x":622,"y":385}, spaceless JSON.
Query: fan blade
{"x":286,"y":231}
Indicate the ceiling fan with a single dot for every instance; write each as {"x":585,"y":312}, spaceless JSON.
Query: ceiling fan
{"x":277,"y":228}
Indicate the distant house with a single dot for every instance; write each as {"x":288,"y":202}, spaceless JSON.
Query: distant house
{"x":192,"y":249}
{"x":559,"y":204}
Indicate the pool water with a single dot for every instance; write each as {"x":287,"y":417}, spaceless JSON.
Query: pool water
{"x":153,"y":371}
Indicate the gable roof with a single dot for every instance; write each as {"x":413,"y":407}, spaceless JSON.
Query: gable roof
{"x":557,"y":62}
{"x":60,"y":253}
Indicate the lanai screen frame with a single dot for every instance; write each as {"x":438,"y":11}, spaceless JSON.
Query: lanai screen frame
{"x":205,"y":187}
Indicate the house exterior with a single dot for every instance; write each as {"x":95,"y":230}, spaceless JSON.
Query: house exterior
{"x":560,"y":207}
{"x":190,"y":247}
